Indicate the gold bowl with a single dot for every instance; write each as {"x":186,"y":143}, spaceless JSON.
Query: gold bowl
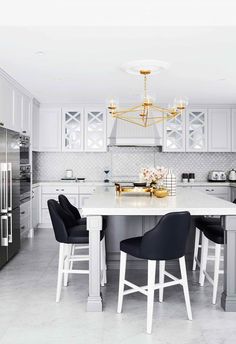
{"x":160,"y":193}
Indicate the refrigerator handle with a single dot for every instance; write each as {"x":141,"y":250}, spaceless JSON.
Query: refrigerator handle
{"x":9,"y":228}
{"x":4,"y":230}
{"x":3,"y":178}
{"x":9,"y":183}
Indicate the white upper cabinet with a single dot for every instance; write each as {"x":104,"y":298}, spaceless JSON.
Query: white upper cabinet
{"x":35,"y":126}
{"x":50,"y":130}
{"x":6,"y":104}
{"x":17,"y":109}
{"x":174,"y":134}
{"x":196,"y":130}
{"x":72,"y":129}
{"x":233,"y":130}
{"x":95,"y":130}
{"x":26,"y":115}
{"x":219,"y":130}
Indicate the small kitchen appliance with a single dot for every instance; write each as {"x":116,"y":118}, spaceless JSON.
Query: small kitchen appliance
{"x":216,"y":176}
{"x":232,"y":175}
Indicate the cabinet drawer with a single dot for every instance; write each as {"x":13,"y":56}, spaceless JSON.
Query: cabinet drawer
{"x":213,"y":189}
{"x":73,"y":199}
{"x":57,"y":189}
{"x":87,"y":189}
{"x":24,"y":224}
{"x":24,"y":210}
{"x":217,"y":191}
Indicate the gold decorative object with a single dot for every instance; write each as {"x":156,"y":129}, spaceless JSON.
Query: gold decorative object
{"x":161,"y":192}
{"x":147,"y":114}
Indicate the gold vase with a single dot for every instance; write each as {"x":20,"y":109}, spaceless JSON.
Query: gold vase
{"x":161,"y":192}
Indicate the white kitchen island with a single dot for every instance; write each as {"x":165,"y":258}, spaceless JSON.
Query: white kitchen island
{"x":106,"y":202}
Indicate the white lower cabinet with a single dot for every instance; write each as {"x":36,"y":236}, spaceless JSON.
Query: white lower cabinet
{"x":52,"y":192}
{"x":35,"y":206}
{"x":222,"y":192}
{"x":25,"y":218}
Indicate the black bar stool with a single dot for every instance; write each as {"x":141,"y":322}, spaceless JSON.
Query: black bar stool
{"x":68,"y":233}
{"x":166,"y":241}
{"x":65,"y":203}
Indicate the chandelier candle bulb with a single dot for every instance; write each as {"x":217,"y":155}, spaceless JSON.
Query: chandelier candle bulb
{"x":169,"y":183}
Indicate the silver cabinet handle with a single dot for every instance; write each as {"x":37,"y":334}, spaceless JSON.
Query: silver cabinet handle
{"x":4,"y":230}
{"x":9,"y":172}
{"x":10,"y":228}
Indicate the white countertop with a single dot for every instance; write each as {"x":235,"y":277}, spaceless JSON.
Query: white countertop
{"x":101,"y":183}
{"x":106,"y":202}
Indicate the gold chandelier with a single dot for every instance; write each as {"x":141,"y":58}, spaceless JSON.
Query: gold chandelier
{"x":147,"y":113}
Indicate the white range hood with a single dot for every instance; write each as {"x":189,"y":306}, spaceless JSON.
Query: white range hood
{"x":122,"y":133}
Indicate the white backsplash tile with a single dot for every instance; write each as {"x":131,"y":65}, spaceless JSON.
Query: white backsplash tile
{"x":125,"y":163}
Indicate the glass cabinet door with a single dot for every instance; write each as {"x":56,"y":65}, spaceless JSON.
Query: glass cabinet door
{"x":95,"y":130}
{"x":174,"y":134}
{"x":72,"y":130}
{"x":196,"y":130}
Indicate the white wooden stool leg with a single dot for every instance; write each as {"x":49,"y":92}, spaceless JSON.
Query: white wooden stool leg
{"x":185,"y":286}
{"x":123,"y":258}
{"x":60,"y":273}
{"x":105,"y":261}
{"x":196,"y":247}
{"x":150,"y":294}
{"x":67,"y":263}
{"x":161,"y":278}
{"x":72,"y":253}
{"x":102,"y":262}
{"x":216,"y":271}
{"x":203,"y":262}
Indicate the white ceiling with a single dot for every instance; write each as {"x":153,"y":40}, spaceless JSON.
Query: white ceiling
{"x":82,"y":64}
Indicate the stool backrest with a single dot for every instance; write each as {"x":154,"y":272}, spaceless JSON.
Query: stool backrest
{"x":61,"y":220}
{"x":167,"y":240}
{"x":65,"y":203}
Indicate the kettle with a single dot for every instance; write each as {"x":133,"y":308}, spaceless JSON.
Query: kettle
{"x":232,"y":175}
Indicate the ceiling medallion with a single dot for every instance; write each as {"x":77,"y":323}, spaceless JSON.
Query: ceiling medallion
{"x":147,"y":113}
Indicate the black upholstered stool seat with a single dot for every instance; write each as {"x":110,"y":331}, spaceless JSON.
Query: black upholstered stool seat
{"x":214,"y":233}
{"x":132,"y":246}
{"x":201,"y":222}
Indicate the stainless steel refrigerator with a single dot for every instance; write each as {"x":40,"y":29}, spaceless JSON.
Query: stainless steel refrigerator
{"x":9,"y":194}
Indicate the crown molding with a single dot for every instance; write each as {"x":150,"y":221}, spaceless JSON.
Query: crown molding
{"x":14,"y":83}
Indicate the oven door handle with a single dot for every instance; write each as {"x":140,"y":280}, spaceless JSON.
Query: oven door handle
{"x":9,"y":228}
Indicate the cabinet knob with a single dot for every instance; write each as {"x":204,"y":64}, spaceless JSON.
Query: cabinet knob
{"x":57,"y":189}
{"x":23,"y":212}
{"x":22,"y":227}
{"x":62,"y":189}
{"x":2,"y":124}
{"x":24,"y":131}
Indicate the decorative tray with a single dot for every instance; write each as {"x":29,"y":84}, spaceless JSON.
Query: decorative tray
{"x":133,"y":189}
